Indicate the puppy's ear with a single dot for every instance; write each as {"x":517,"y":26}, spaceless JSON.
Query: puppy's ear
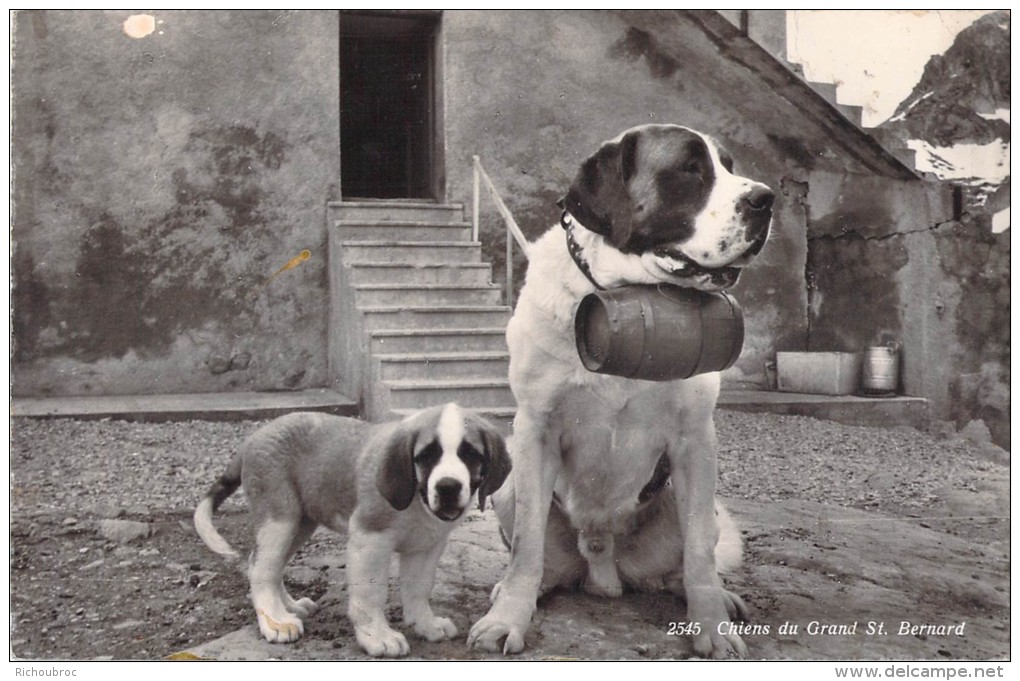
{"x":395,"y":477}
{"x":498,"y":465}
{"x":598,"y":196}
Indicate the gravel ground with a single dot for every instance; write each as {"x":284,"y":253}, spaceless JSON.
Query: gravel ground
{"x":63,"y":465}
{"x":76,"y":594}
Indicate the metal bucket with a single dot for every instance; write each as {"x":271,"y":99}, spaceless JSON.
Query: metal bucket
{"x":658,"y":333}
{"x":881,"y":369}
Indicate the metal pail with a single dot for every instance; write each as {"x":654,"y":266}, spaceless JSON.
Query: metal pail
{"x":881,"y":369}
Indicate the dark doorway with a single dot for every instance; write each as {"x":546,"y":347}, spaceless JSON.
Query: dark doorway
{"x":388,"y":106}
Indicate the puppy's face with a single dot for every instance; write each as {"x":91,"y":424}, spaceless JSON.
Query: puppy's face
{"x":668,"y":195}
{"x":453,"y":455}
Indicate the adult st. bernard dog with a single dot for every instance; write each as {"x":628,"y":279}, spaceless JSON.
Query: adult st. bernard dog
{"x":614,"y":479}
{"x":398,"y":487}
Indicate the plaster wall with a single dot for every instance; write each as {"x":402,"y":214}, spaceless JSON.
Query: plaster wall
{"x":160,"y":183}
{"x":888,"y":262}
{"x":534,"y":93}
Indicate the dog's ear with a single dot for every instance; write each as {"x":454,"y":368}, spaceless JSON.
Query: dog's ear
{"x":498,"y":464}
{"x":395,"y":478}
{"x":598,"y":197}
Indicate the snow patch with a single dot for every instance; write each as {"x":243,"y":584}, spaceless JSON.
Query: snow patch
{"x":903,"y":116}
{"x":1000,"y":221}
{"x":989,"y":162}
{"x":999,"y":115}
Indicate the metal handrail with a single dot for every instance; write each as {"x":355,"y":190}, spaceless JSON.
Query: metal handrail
{"x":512,"y":229}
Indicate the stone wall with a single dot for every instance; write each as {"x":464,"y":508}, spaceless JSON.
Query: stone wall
{"x":889,"y":262}
{"x":533,"y":94}
{"x":160,"y":182}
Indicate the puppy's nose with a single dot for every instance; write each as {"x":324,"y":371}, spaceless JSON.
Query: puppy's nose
{"x":595,"y":545}
{"x":760,"y":198}
{"x":448,"y":489}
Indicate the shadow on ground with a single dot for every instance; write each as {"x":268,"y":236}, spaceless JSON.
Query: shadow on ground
{"x":823,"y":583}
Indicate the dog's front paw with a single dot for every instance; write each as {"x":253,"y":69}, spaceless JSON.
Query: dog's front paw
{"x":435,"y":628}
{"x":285,"y":628}
{"x":379,"y":640}
{"x":503,"y":627}
{"x":710,"y":643}
{"x":736,"y":608}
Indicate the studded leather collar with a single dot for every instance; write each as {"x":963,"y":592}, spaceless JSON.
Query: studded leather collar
{"x":576,"y":254}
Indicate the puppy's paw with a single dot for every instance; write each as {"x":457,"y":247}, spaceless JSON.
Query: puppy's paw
{"x":435,"y":628}
{"x":303,"y":608}
{"x":285,"y":628}
{"x":495,"y":592}
{"x":379,"y":640}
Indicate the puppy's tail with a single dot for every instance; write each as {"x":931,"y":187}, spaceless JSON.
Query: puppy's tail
{"x":218,"y":493}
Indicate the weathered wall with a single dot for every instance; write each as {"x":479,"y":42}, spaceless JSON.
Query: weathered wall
{"x":888,"y":263}
{"x":533,"y":93}
{"x":160,"y":182}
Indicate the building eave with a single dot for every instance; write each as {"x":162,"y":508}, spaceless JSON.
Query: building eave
{"x":742,"y":50}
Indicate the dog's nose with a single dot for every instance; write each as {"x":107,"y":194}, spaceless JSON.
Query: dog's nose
{"x":595,"y":545}
{"x":755,"y":208}
{"x":448,"y":489}
{"x":760,"y":198}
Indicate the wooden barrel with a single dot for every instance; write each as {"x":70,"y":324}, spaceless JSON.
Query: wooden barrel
{"x":658,"y":333}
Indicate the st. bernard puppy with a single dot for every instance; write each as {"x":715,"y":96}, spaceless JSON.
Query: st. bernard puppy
{"x":397,"y":487}
{"x":614,"y":479}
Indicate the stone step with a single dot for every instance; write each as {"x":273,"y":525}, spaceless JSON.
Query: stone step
{"x":397,"y":211}
{"x":410,"y":252}
{"x":430,"y":317}
{"x":438,"y":340}
{"x":904,"y":155}
{"x":421,"y":273}
{"x":853,"y":113}
{"x":444,"y":365}
{"x":427,"y":294}
{"x":826,"y":90}
{"x":420,"y":393}
{"x":376,"y":230}
{"x":898,"y":410}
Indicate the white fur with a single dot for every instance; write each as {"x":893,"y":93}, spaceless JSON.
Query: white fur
{"x":208,"y":532}
{"x":287,"y":509}
{"x":451,"y":434}
{"x":719,"y":220}
{"x":615,"y":428}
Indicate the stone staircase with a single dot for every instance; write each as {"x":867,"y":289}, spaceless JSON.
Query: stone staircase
{"x":415,"y":317}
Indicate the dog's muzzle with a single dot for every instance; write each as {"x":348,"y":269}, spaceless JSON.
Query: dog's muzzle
{"x":446,"y":504}
{"x":754,"y":211}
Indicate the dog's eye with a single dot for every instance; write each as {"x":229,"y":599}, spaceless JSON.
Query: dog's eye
{"x":429,"y":455}
{"x":470,"y":456}
{"x":692,"y":166}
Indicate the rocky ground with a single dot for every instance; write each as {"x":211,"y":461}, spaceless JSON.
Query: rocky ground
{"x":842,"y":524}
